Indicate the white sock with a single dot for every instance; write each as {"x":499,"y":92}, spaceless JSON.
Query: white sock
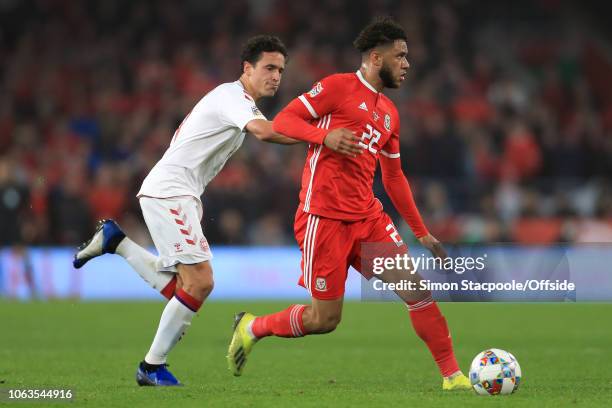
{"x":175,"y":319}
{"x":249,"y":329}
{"x":143,"y":262}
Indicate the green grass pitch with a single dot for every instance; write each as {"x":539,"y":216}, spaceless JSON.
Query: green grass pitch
{"x":372,"y":359}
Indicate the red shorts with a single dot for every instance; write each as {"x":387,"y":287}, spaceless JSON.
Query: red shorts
{"x":329,"y":247}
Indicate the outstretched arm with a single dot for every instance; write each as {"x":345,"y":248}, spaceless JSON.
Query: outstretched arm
{"x":262,"y":130}
{"x":294,"y":120}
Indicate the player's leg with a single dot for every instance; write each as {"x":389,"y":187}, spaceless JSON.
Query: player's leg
{"x":179,"y":312}
{"x":322,"y":316}
{"x":425,"y":316}
{"x":182,"y":244}
{"x":430,"y":325}
{"x":110,"y":239}
{"x":325,"y":246}
{"x":147,"y":266}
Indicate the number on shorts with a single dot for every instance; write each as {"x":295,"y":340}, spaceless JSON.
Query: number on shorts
{"x":395,"y":236}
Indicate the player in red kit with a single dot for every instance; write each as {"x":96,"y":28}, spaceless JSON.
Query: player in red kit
{"x":351,"y":126}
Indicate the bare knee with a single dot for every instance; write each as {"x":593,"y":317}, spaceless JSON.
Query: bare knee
{"x":197,"y":279}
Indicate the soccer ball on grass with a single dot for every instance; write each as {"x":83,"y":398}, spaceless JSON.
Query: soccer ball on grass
{"x":494,"y":372}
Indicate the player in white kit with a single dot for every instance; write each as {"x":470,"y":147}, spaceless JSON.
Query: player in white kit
{"x":170,"y":199}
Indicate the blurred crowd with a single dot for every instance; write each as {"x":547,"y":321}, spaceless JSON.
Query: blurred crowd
{"x":506,"y":114}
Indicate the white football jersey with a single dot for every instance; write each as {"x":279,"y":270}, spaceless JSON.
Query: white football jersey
{"x":201,"y":145}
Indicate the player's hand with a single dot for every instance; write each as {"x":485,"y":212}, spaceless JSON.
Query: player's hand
{"x":343,"y":141}
{"x":436,"y":248}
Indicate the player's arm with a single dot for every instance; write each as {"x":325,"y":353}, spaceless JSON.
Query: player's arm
{"x":398,"y":189}
{"x":236,"y":108}
{"x":262,"y":130}
{"x":295,"y":119}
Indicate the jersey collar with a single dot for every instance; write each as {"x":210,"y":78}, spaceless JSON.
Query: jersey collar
{"x":366,"y":83}
{"x":246,"y":95}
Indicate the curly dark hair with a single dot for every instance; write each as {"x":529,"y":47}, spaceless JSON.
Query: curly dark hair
{"x":382,"y":31}
{"x":255,"y":46}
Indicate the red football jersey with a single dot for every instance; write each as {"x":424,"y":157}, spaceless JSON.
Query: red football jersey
{"x":338,"y":186}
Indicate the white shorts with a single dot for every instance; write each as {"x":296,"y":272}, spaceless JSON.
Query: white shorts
{"x":174,"y":225}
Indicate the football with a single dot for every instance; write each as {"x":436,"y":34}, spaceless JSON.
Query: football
{"x":495,"y":372}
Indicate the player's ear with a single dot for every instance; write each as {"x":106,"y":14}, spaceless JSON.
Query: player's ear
{"x":247,"y":68}
{"x":376,"y":57}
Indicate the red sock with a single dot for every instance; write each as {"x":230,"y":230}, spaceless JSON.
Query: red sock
{"x":430,"y":326}
{"x":287,"y":323}
{"x":168,"y":290}
{"x":187,"y":300}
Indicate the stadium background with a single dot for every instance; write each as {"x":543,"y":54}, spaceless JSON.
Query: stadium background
{"x":506,"y":120}
{"x":506,"y":137}
{"x":506,"y":114}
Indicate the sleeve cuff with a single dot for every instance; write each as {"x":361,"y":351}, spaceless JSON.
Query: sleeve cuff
{"x":320,"y":136}
{"x":390,"y":155}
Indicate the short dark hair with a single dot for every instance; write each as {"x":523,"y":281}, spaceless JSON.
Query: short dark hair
{"x":381,"y":31}
{"x":255,"y":46}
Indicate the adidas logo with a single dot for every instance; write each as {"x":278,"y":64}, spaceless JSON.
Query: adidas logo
{"x":363,"y":106}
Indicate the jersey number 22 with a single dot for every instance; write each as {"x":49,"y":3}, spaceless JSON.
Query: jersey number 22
{"x":372,"y":135}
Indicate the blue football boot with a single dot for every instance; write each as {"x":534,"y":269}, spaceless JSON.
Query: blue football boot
{"x":158,"y":377}
{"x":105,"y":240}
